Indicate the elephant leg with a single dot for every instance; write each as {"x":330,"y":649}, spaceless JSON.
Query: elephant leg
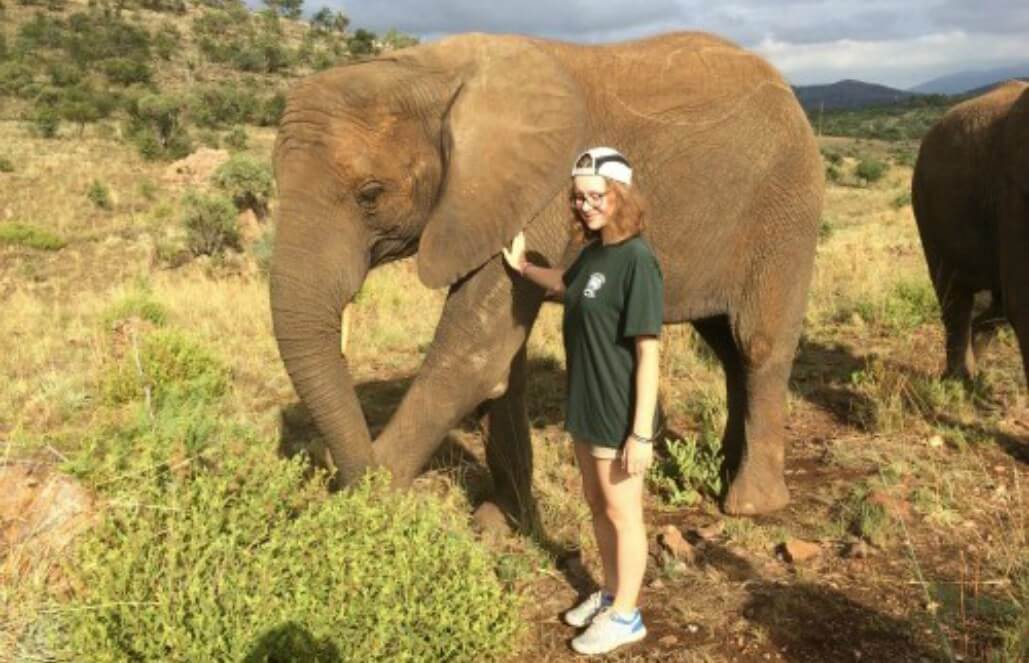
{"x":766,"y":331}
{"x":485,"y":322}
{"x":956,"y":311}
{"x":509,"y":448}
{"x":986,"y":324}
{"x":718,"y":335}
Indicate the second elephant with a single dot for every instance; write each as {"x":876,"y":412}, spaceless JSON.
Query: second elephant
{"x":970,"y":195}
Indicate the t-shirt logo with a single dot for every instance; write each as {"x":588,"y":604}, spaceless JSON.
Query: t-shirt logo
{"x":596,"y":281}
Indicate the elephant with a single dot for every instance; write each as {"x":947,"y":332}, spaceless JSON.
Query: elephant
{"x":970,"y":196}
{"x":448,"y":149}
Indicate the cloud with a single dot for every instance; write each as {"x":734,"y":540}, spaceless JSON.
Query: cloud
{"x":900,"y":62}
{"x":811,"y":41}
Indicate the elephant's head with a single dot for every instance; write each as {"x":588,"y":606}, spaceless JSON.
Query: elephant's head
{"x":447,"y":149}
{"x":1016,"y":142}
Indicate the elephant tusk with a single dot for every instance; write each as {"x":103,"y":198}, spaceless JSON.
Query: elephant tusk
{"x":344,"y":330}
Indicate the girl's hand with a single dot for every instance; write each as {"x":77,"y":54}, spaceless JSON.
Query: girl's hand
{"x":636,"y":456}
{"x":515,"y":257}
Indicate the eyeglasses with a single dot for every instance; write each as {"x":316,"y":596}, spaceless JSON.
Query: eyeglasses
{"x":595,"y":198}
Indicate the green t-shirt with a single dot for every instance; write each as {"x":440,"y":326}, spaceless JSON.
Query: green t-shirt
{"x":612,"y":294}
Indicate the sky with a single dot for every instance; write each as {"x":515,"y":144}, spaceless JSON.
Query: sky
{"x":895,"y":43}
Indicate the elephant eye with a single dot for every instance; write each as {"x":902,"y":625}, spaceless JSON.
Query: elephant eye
{"x":368,"y":194}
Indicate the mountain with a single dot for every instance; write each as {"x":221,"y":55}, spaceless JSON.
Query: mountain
{"x":848,"y":94}
{"x":965,"y":81}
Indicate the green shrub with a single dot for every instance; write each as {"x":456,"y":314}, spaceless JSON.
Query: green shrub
{"x":41,"y":31}
{"x":138,"y":304}
{"x":45,"y":122}
{"x":21,"y":234}
{"x":865,"y":518}
{"x":871,"y":170}
{"x":157,"y":128}
{"x":271,"y":109}
{"x":15,"y":78}
{"x":687,"y":469}
{"x":209,"y":138}
{"x":148,"y":189}
{"x":907,"y":305}
{"x":94,"y":36}
{"x":248,"y":560}
{"x":6,"y":165}
{"x":237,"y":138}
{"x":902,"y":200}
{"x":125,"y":71}
{"x":362,"y":43}
{"x":210,"y":223}
{"x":220,"y":105}
{"x":82,"y":104}
{"x":99,"y":195}
{"x":262,"y":250}
{"x":248,"y":181}
{"x":64,"y":74}
{"x":167,"y":41}
{"x":166,"y":364}
{"x":826,"y":229}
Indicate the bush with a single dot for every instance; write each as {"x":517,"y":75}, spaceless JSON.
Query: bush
{"x":237,"y":138}
{"x":125,"y":71}
{"x":157,"y":128}
{"x":262,"y":251}
{"x":94,"y":36}
{"x":45,"y":122}
{"x":248,"y":560}
{"x":216,"y":106}
{"x":271,"y":110}
{"x":21,"y":234}
{"x":6,"y":165}
{"x":167,"y":40}
{"x":15,"y":78}
{"x":99,"y":195}
{"x":138,"y":304}
{"x":82,"y":104}
{"x":64,"y":74}
{"x":871,"y":170}
{"x":687,"y":470}
{"x":167,"y":364}
{"x":248,"y":181}
{"x":210,"y":223}
{"x":902,"y":200}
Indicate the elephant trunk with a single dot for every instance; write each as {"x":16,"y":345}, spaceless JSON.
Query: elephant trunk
{"x":311,"y":283}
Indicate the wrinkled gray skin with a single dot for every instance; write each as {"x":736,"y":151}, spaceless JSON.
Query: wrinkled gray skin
{"x":970,"y":195}
{"x":449,"y":149}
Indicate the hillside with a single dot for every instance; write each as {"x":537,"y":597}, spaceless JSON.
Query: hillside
{"x":848,"y":94}
{"x":968,"y":82}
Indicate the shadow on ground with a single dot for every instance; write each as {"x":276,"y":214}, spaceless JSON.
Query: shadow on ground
{"x":292,"y":642}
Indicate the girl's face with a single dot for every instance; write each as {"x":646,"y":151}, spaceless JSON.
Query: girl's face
{"x":592,"y":200}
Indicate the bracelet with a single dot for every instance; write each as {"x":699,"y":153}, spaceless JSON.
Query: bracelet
{"x":641,"y":439}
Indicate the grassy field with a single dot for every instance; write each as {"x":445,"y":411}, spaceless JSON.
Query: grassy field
{"x":913,"y":488}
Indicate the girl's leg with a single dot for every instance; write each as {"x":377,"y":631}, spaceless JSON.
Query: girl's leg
{"x":623,"y":498}
{"x":603,"y":529}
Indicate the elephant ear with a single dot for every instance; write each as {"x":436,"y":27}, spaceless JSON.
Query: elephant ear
{"x":510,"y":135}
{"x":1016,"y":141}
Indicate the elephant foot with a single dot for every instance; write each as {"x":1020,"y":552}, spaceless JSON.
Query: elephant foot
{"x":749,"y":496}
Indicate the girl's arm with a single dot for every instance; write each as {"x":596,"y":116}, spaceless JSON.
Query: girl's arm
{"x":638,"y":454}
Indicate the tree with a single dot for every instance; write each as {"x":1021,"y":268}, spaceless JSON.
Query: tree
{"x":362,"y":43}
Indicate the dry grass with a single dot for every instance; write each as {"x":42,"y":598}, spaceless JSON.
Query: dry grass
{"x":866,"y":404}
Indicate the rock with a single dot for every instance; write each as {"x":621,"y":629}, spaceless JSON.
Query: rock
{"x":195,"y":169}
{"x":935,"y":441}
{"x":895,"y":507}
{"x":671,"y":539}
{"x":668,"y":641}
{"x":798,"y":550}
{"x":488,"y":518}
{"x":41,"y":512}
{"x":712,"y":531}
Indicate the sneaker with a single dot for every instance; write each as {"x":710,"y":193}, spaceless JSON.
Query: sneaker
{"x":610,"y":630}
{"x":582,"y":614}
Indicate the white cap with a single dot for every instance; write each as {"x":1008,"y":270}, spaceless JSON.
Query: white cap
{"x":603,"y":161}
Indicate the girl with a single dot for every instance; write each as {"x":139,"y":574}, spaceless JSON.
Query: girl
{"x":613,"y":297}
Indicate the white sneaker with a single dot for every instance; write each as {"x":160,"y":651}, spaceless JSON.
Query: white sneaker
{"x":582,"y":614}
{"x":610,"y":630}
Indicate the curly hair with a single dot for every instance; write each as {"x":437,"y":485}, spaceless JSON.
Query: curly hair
{"x":628,"y":219}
